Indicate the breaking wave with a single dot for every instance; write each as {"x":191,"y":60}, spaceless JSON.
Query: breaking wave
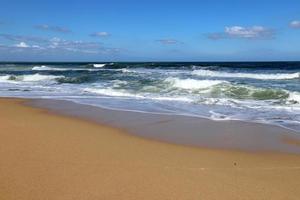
{"x":46,"y":68}
{"x":74,"y":80}
{"x":43,"y":68}
{"x":99,"y":65}
{"x":191,"y":84}
{"x":262,"y":76}
{"x":28,"y":78}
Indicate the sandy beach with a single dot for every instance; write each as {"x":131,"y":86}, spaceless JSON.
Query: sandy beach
{"x":50,"y":156}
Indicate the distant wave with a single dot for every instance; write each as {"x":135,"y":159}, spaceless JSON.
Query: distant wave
{"x":125,"y":70}
{"x":46,"y":68}
{"x":277,"y":76}
{"x":99,"y":65}
{"x":38,"y":77}
{"x":43,"y":68}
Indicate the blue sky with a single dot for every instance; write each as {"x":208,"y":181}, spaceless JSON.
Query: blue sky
{"x":132,"y":30}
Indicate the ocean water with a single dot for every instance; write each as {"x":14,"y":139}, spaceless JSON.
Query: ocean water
{"x":265,"y":92}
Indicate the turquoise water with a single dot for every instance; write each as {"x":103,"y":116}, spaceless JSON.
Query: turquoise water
{"x":266,"y":92}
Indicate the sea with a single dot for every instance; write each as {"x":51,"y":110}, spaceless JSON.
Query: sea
{"x":261,"y":92}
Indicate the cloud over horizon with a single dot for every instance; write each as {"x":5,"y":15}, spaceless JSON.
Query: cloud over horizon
{"x":57,"y":44}
{"x":295,"y":24}
{"x":240,"y":32}
{"x":168,"y":41}
{"x":59,"y":29}
{"x":22,"y":45}
{"x":100,"y":34}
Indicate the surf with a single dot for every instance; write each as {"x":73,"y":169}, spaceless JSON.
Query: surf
{"x":261,"y":76}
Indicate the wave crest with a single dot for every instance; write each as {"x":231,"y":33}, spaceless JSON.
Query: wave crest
{"x":99,"y":65}
{"x":193,"y":84}
{"x":277,"y":76}
{"x":28,"y":78}
{"x":42,"y":68}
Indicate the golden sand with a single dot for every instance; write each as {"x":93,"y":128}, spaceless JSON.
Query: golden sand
{"x":47,"y":156}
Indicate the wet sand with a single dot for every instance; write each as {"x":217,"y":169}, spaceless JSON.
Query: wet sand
{"x":183,"y":130}
{"x":50,"y":156}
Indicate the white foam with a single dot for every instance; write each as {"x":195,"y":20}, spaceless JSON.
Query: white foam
{"x":124,"y":70}
{"x":111,"y":92}
{"x":28,"y":78}
{"x":218,"y":116}
{"x":277,"y":76}
{"x":182,"y":99}
{"x":294,"y":97}
{"x":99,"y":65}
{"x":41,"y":68}
{"x":38,"y":77}
{"x":193,"y":84}
{"x":118,"y":83}
{"x":5,"y":79}
{"x":46,"y":68}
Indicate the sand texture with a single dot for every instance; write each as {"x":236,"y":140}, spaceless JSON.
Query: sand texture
{"x":46,"y":156}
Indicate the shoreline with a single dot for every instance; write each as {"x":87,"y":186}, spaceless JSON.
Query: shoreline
{"x":265,"y":123}
{"x":45,"y":155}
{"x":183,"y":130}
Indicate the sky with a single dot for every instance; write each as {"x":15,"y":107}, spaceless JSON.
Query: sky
{"x":152,"y":30}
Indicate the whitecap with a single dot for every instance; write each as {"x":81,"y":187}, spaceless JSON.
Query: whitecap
{"x":46,"y":68}
{"x":38,"y":77}
{"x":262,"y":76}
{"x":28,"y":78}
{"x":193,"y":84}
{"x":41,"y":68}
{"x":294,"y":97}
{"x":5,"y":78}
{"x":124,"y":70}
{"x":99,"y":65}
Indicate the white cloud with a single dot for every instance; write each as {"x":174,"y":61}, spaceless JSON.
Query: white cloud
{"x":56,"y":45}
{"x":25,"y":45}
{"x":168,"y":41}
{"x":254,"y":32}
{"x":100,"y":34}
{"x":248,"y":32}
{"x":59,"y":29}
{"x":295,"y":24}
{"x":22,"y":45}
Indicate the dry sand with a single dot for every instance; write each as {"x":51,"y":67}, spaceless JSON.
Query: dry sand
{"x":47,"y":156}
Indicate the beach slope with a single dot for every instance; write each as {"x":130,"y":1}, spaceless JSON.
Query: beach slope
{"x":48,"y":156}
